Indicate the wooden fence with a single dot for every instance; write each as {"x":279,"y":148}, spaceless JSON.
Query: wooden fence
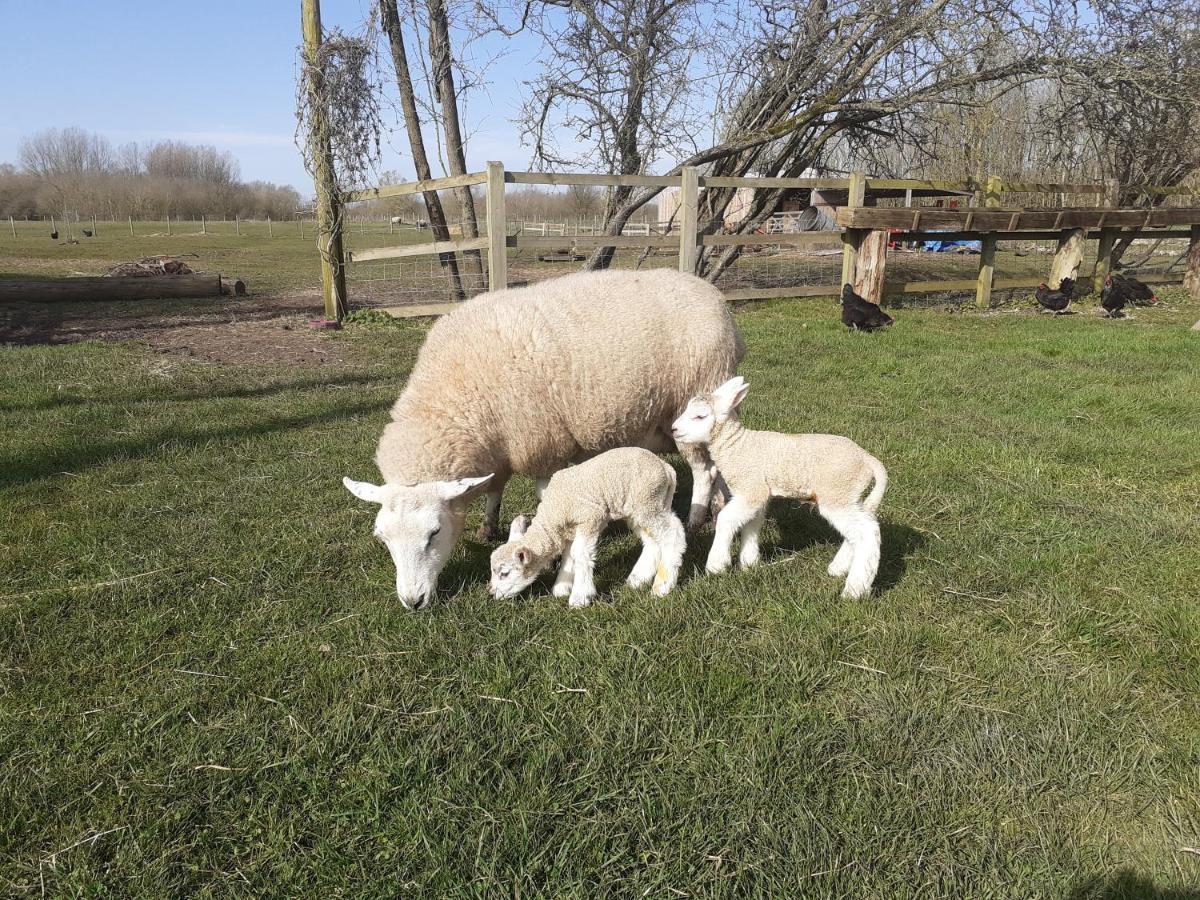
{"x":865,"y":231}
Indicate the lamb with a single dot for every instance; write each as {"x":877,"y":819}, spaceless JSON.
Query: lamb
{"x":828,"y":470}
{"x":630,"y":484}
{"x":529,"y":380}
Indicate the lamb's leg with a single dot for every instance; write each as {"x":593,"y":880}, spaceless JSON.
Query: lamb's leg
{"x":737,"y":512}
{"x":583,"y":559}
{"x":539,"y":487}
{"x":861,"y":532}
{"x":644,"y":569}
{"x":490,"y":529}
{"x":750,"y":553}
{"x":672,"y":543}
{"x":840,"y":564}
{"x":704,"y":474}
{"x":565,"y":578}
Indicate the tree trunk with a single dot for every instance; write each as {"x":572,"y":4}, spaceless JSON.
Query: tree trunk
{"x":872,"y":258}
{"x":446,"y":95}
{"x":1068,"y":257}
{"x":390,"y":16}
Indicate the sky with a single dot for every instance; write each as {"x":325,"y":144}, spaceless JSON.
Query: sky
{"x":217,"y":72}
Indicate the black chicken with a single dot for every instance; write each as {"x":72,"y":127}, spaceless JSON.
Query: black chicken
{"x":1136,"y":292}
{"x":1056,"y":301}
{"x":54,"y":235}
{"x":861,"y":314}
{"x":1113,"y":297}
{"x":86,"y":233}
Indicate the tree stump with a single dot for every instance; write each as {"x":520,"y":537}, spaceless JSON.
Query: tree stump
{"x":869,"y":268}
{"x":1068,"y":257}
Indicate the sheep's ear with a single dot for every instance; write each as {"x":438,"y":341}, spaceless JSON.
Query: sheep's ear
{"x":729,"y":396}
{"x":448,"y":490}
{"x":364,"y":490}
{"x":523,"y":556}
{"x":518,"y":528}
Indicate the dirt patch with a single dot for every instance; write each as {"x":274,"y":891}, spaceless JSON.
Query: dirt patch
{"x":259,"y":330}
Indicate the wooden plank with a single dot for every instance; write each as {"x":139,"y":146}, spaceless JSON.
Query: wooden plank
{"x":429,"y":249}
{"x":594,"y":240}
{"x":1052,"y":187}
{"x":497,"y":228}
{"x":909,"y":184}
{"x":925,"y":287}
{"x":689,"y":226}
{"x":598,"y":180}
{"x":417,"y":187}
{"x":797,"y":239}
{"x":1009,"y":284}
{"x":1016,"y":219}
{"x":803,"y":290}
{"x":987,"y":270}
{"x":731,"y":181}
{"x":1045,"y":235}
{"x":47,"y":290}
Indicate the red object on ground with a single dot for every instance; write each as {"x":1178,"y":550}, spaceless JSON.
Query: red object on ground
{"x":327,"y":324}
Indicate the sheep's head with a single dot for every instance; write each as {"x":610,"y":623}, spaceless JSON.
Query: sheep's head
{"x":703,"y":413}
{"x":420,"y":525}
{"x":514,"y":564}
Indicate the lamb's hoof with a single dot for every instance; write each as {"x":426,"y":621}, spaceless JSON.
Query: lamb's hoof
{"x":487,"y":534}
{"x":661,"y":588}
{"x":637,"y":581}
{"x":579,"y":602}
{"x":561,"y":590}
{"x":716,"y":568}
{"x":837,"y":571}
{"x":858,"y":594}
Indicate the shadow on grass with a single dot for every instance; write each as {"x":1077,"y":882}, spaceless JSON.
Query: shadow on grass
{"x":74,"y":459}
{"x":229,"y":393}
{"x":1128,"y":885}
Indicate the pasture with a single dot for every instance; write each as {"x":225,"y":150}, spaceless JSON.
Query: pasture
{"x":207,"y":686}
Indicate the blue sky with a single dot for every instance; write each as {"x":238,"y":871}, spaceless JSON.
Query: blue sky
{"x":216,"y":72}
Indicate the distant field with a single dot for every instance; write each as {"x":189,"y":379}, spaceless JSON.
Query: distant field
{"x":207,"y":687}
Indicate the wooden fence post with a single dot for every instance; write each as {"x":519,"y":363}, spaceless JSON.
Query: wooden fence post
{"x":329,"y":212}
{"x":1108,"y":238}
{"x":237,"y":224}
{"x":270,"y":230}
{"x":1068,"y":256}
{"x":131,"y":226}
{"x":992,"y":197}
{"x":13,"y":226}
{"x":689,"y":215}
{"x":497,"y":227}
{"x":869,"y":268}
{"x":168,"y":223}
{"x":203,"y":224}
{"x":852,"y":237}
{"x":1191,"y":273}
{"x":95,"y":230}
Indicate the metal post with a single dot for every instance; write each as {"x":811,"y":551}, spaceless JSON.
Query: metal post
{"x":689,"y":215}
{"x":497,"y":228}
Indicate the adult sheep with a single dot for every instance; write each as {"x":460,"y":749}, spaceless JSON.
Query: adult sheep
{"x":525,"y":381}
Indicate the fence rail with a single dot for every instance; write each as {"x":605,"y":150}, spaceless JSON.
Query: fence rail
{"x":863,"y":231}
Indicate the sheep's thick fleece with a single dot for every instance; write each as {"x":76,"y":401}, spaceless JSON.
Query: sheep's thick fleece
{"x":626,"y":483}
{"x":823,"y":468}
{"x":529,"y":379}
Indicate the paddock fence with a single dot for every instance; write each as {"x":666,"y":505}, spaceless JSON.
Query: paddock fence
{"x":877,"y":235}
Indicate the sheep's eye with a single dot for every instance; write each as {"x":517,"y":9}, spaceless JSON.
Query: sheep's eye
{"x":504,"y":573}
{"x":698,"y":416}
{"x":435,"y":531}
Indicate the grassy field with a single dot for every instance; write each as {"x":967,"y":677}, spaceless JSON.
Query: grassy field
{"x":208,"y":688}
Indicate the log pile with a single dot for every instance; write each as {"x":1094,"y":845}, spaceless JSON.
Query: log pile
{"x":150,"y":267}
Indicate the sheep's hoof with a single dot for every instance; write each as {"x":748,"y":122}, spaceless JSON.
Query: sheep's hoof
{"x":487,"y":534}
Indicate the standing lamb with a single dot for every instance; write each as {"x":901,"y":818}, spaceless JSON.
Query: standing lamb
{"x":629,"y":484}
{"x":831,"y":471}
{"x":526,"y":381}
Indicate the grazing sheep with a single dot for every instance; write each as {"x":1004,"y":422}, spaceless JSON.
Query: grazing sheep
{"x":526,"y":381}
{"x":831,"y":471}
{"x":629,"y":484}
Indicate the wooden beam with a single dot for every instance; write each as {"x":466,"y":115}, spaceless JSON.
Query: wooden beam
{"x":1108,"y":239}
{"x":1045,"y":235}
{"x":595,"y":240}
{"x":852,"y":239}
{"x":429,"y":249}
{"x":909,"y":184}
{"x":793,"y":239}
{"x":689,"y":194}
{"x":597,"y":180}
{"x":48,"y":290}
{"x":731,"y":181}
{"x":1008,"y":219}
{"x":1191,"y":276}
{"x":497,"y":228}
{"x":870,"y":265}
{"x":987,"y":270}
{"x":417,"y":187}
{"x":927,"y":287}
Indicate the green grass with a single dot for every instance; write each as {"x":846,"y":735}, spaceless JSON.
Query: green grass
{"x":208,"y":688}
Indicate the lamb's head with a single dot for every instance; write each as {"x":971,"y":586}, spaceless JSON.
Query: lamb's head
{"x":703,"y":413}
{"x":420,"y":525}
{"x":514,"y":564}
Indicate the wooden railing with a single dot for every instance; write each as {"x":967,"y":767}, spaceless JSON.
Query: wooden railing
{"x":864,"y":230}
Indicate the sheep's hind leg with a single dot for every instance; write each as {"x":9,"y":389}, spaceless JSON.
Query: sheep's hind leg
{"x":861,"y":532}
{"x":644,"y":569}
{"x":583,"y":560}
{"x":840,"y":564}
{"x":750,"y":552}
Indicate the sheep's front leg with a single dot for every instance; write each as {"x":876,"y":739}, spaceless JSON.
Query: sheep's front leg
{"x":704,"y":475}
{"x":565,"y":579}
{"x":737,"y":512}
{"x":583,"y":560}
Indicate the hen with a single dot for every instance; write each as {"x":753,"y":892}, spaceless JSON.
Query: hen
{"x":1056,"y":300}
{"x":861,"y":314}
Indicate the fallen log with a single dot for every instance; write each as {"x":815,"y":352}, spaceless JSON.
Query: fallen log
{"x":49,"y":290}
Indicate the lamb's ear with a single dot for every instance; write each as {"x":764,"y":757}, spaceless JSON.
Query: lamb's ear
{"x":518,"y":528}
{"x":448,"y":490}
{"x":523,"y":556}
{"x":729,"y":396}
{"x":364,"y":490}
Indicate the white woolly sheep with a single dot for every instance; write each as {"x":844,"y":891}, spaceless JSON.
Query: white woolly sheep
{"x":826,"y":469}
{"x":527,"y":381}
{"x":629,"y":484}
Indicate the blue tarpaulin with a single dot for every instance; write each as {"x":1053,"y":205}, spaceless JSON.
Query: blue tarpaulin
{"x":939,"y":246}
